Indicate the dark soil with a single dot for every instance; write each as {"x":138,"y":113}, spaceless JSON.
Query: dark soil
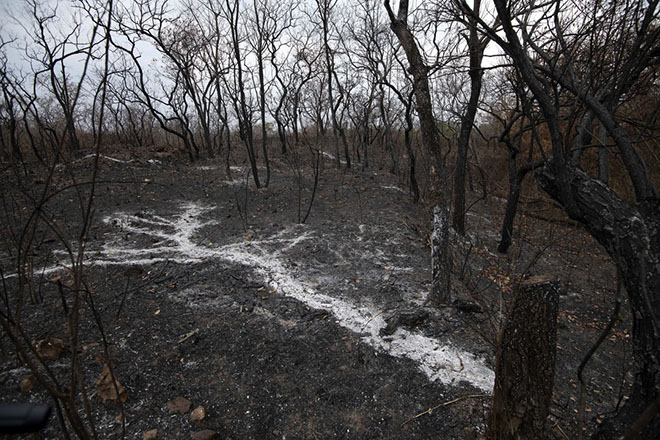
{"x":226,"y":329}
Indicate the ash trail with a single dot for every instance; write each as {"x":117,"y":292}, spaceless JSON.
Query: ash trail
{"x":173,"y":240}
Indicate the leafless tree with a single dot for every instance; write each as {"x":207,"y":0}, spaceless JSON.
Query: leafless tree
{"x":85,"y":36}
{"x":232,"y":14}
{"x":168,"y":102}
{"x":291,"y":76}
{"x":419,"y":70}
{"x":542,"y":41}
{"x":476,"y":45}
{"x":371,"y":54}
{"x":269,"y":21}
{"x":325,"y":12}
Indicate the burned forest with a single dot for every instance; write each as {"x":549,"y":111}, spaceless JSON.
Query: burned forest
{"x":274,"y":219}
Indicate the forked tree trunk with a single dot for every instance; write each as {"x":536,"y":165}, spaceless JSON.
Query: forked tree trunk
{"x":525,"y":366}
{"x":631,"y":236}
{"x":516,"y":176}
{"x":629,"y":233}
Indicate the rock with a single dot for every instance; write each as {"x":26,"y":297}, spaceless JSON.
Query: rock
{"x":50,"y":348}
{"x":27,"y":384}
{"x":133,"y":271}
{"x":467,"y":306}
{"x":178,"y":405}
{"x":404,"y":318}
{"x":206,"y":434}
{"x":198,"y":414}
{"x":151,"y":434}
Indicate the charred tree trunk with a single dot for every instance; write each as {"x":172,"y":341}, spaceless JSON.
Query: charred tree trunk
{"x":440,"y":258}
{"x":414,"y":187}
{"x":347,"y":153}
{"x":631,"y":236}
{"x":603,"y":156}
{"x":515,"y":182}
{"x":476,"y":48}
{"x":243,"y":114}
{"x":262,"y":112}
{"x":419,"y":72}
{"x":387,"y":132}
{"x":408,"y":105}
{"x":525,"y":366}
{"x":516,"y":176}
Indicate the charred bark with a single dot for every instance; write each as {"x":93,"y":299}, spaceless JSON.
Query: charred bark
{"x":631,"y":236}
{"x":516,"y":176}
{"x":515,"y":183}
{"x":440,"y":258}
{"x":476,"y":49}
{"x":424,"y":106}
{"x":414,"y":187}
{"x":525,"y":366}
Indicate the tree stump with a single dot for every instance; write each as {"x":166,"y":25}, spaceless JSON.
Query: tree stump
{"x":525,"y":366}
{"x":440,"y":258}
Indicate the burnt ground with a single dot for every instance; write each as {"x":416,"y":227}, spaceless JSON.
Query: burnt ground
{"x":283,"y":330}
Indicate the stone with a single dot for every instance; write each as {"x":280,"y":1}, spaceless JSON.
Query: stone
{"x":206,"y":434}
{"x":152,"y":434}
{"x":466,"y":306}
{"x":178,"y":405}
{"x":51,"y":348}
{"x":27,"y":384}
{"x":404,"y":318}
{"x":198,"y":414}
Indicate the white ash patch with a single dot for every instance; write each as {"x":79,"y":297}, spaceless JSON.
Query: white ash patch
{"x":440,"y":361}
{"x":394,"y":188}
{"x":101,"y":156}
{"x":109,"y":158}
{"x":234,"y":182}
{"x":332,"y":157}
{"x":177,"y":234}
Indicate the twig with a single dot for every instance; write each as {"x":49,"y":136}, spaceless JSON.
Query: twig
{"x":317,"y":171}
{"x":461,"y":276}
{"x":188,"y":336}
{"x":561,"y":431}
{"x":371,"y":319}
{"x":592,"y":350}
{"x":449,"y":402}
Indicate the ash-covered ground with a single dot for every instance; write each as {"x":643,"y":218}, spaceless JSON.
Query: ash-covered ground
{"x":209,"y":289}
